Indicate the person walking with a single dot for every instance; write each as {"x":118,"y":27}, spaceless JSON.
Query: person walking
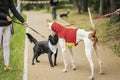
{"x":53,"y":4}
{"x":5,"y":27}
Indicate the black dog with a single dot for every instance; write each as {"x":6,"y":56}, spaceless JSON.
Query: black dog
{"x":64,"y":14}
{"x":43,"y":47}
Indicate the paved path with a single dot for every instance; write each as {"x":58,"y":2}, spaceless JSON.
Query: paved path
{"x":42,"y":70}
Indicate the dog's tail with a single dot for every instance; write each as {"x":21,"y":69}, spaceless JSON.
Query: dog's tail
{"x":93,"y":37}
{"x":31,"y":38}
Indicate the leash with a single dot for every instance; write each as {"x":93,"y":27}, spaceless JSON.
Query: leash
{"x":30,"y":28}
{"x":97,"y":17}
{"x":103,"y":16}
{"x":83,"y":20}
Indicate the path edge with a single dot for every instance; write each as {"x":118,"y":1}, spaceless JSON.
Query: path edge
{"x":25,"y":70}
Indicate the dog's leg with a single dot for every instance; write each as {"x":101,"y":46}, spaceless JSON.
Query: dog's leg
{"x":72,"y":59}
{"x":63,"y":49}
{"x":88,"y":50}
{"x":64,"y":60}
{"x":50,"y":59}
{"x":99,"y":60}
{"x":33,"y":60}
{"x":55,"y":57}
{"x":34,"y":57}
{"x":37,"y":58}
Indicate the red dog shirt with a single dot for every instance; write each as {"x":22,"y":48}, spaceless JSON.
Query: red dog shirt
{"x":68,"y":34}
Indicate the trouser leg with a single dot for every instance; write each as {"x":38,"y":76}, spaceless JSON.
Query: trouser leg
{"x":53,"y":9}
{"x":6,"y":44}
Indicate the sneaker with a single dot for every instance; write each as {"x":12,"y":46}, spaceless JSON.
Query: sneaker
{"x":7,"y":68}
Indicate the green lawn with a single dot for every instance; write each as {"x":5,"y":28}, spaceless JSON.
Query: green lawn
{"x":16,"y":55}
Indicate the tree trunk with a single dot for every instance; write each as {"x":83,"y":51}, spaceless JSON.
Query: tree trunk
{"x":84,"y":5}
{"x":81,"y":5}
{"x":102,"y":7}
{"x":113,"y":7}
{"x":77,"y":4}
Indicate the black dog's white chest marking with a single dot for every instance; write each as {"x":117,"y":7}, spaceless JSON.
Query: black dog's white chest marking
{"x":53,"y":48}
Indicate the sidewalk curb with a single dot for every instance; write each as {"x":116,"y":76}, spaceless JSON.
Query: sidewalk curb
{"x":25,"y":70}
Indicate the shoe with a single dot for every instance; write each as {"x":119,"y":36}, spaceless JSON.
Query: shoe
{"x":7,"y":68}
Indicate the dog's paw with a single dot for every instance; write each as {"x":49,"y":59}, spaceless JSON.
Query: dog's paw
{"x":55,"y":64}
{"x":33,"y":63}
{"x":64,"y":70}
{"x":91,"y":78}
{"x":51,"y":66}
{"x":101,"y":73}
{"x":38,"y":61}
{"x":74,"y":68}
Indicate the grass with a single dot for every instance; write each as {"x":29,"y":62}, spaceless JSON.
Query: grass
{"x":16,"y":55}
{"x":107,"y":34}
{"x":114,"y":37}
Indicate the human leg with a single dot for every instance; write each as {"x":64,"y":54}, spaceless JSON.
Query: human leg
{"x":6,"y":44}
{"x":53,"y":10}
{"x":1,"y":34}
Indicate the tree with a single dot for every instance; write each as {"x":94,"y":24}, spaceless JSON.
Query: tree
{"x":104,"y":7}
{"x":113,"y":7}
{"x":77,"y":4}
{"x":81,"y":5}
{"x":101,"y":9}
{"x":84,"y":4}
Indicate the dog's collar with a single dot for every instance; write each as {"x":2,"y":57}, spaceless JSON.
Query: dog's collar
{"x":53,"y":48}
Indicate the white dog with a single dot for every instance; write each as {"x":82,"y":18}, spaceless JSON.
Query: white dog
{"x":69,"y":37}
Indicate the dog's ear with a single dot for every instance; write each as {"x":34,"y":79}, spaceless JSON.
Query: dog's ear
{"x":53,"y":39}
{"x":49,"y":37}
{"x":48,"y":20}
